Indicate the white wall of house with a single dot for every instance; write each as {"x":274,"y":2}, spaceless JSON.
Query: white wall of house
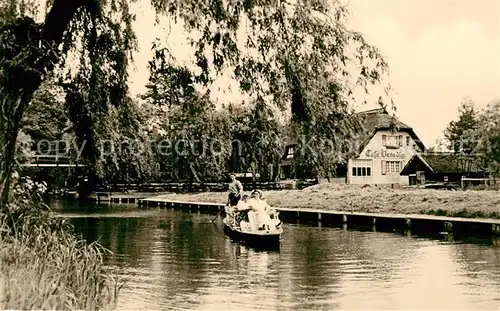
{"x":382,"y":159}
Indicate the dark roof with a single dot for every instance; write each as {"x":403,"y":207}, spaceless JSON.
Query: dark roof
{"x":443,"y":162}
{"x":291,"y":140}
{"x":372,"y":121}
{"x":290,"y":136}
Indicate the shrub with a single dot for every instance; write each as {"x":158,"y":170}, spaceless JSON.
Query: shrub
{"x":43,"y":264}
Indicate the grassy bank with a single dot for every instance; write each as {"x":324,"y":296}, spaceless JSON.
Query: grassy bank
{"x":370,"y":199}
{"x":44,"y":266}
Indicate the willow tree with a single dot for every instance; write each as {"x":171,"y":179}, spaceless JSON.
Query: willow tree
{"x":258,"y":142}
{"x":31,"y":50}
{"x":198,"y":142}
{"x":296,"y":55}
{"x":275,"y":49}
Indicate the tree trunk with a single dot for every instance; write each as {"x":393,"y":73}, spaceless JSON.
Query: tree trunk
{"x":13,"y":106}
{"x":277,"y":176}
{"x":194,"y":175}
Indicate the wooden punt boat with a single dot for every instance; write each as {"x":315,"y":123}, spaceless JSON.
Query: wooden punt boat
{"x":268,"y":239}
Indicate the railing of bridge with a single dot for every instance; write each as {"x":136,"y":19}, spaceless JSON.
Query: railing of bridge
{"x":48,"y":160}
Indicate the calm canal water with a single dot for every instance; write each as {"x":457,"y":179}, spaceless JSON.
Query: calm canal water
{"x":177,"y":260}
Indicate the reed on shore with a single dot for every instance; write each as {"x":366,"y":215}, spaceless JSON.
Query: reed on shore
{"x":373,"y":199}
{"x":43,"y":265}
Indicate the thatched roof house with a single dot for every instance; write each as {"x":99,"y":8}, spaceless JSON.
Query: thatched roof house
{"x":376,"y":125}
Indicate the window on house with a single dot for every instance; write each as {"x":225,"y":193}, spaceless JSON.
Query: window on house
{"x":290,"y":153}
{"x":407,"y":140}
{"x":361,"y":168}
{"x":391,"y":167}
{"x":393,"y":141}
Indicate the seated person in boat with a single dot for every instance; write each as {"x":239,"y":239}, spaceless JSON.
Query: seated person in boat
{"x":239,"y":212}
{"x":259,"y":212}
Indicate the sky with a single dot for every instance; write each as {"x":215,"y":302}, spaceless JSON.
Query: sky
{"x":439,"y":52}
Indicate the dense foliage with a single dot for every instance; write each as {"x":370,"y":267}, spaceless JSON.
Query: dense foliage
{"x":198,"y":142}
{"x":296,"y":56}
{"x":291,"y":55}
{"x":47,"y":131}
{"x":124,"y":153}
{"x":202,"y":142}
{"x":46,"y":117}
{"x":487,"y":136}
{"x":458,"y":133}
{"x":258,"y":139}
{"x":477,"y":133}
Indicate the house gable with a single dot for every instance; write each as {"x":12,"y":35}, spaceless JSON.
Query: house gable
{"x":389,"y":145}
{"x":377,"y":120}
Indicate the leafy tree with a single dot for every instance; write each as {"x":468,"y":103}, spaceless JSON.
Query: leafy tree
{"x":290,"y":48}
{"x":257,"y":140}
{"x":168,"y":83}
{"x":325,"y":139}
{"x":198,"y":142}
{"x":487,"y":135}
{"x":46,"y":117}
{"x":124,"y":153}
{"x":458,"y":133}
{"x":47,"y":131}
{"x":196,"y":145}
{"x":30,"y":51}
{"x":239,"y":116}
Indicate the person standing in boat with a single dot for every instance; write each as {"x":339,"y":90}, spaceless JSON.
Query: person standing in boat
{"x":235,"y":190}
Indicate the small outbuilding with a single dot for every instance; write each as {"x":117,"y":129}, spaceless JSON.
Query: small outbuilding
{"x":443,"y":167}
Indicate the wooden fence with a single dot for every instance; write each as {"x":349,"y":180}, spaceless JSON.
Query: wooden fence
{"x":466,"y":182}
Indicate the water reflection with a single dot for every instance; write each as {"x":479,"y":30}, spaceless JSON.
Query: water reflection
{"x":176,"y":260}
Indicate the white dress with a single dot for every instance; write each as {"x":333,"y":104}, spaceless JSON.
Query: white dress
{"x":258,"y":216}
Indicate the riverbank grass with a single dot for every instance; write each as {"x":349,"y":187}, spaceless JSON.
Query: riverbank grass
{"x":373,"y":199}
{"x":43,"y":265}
